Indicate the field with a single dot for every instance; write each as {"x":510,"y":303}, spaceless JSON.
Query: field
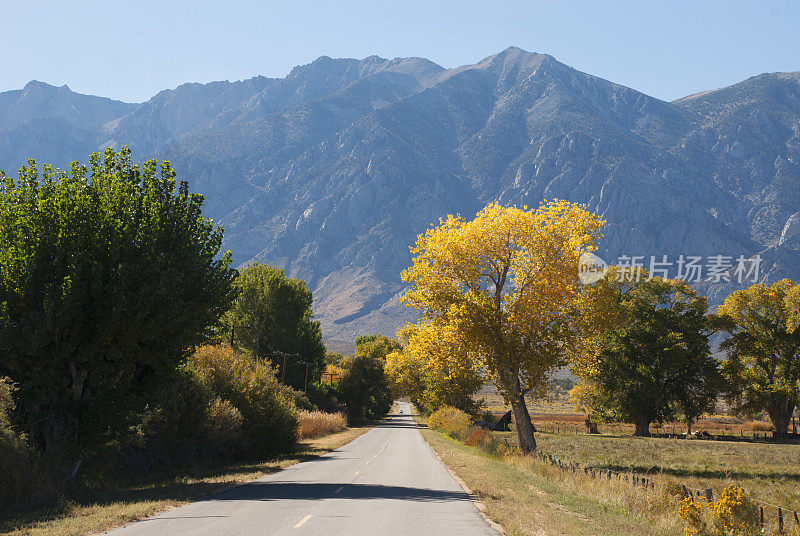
{"x":528,"y":497}
{"x":769,"y":471}
{"x":555,"y":414}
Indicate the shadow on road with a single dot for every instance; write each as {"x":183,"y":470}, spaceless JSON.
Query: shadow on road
{"x":394,"y":423}
{"x":275,"y":491}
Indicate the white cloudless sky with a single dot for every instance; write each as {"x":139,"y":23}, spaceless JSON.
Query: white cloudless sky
{"x":131,"y":50}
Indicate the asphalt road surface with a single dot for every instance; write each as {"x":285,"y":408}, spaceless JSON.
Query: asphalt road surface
{"x":386,"y":482}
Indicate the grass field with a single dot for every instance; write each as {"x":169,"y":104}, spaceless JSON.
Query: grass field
{"x":101,"y":511}
{"x":530,"y":498}
{"x":769,"y":471}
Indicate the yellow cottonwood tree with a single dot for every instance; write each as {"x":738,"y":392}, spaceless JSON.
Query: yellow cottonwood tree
{"x":434,"y":368}
{"x":507,"y":285}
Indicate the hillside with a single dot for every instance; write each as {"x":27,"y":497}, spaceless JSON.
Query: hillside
{"x":331,"y":171}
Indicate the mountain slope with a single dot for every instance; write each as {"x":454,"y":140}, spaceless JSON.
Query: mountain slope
{"x":331,"y":172}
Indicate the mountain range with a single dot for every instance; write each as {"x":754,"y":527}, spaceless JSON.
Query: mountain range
{"x":332,"y":171}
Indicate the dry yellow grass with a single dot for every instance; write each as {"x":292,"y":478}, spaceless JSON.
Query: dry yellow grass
{"x":318,"y":423}
{"x":769,"y":471}
{"x":528,"y":497}
{"x":112,"y":508}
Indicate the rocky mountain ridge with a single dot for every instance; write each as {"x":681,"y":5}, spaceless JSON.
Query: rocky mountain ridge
{"x":332,"y":171}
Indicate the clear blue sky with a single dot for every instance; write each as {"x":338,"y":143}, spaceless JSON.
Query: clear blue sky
{"x":131,"y":50}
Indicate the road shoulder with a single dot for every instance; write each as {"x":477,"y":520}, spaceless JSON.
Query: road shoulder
{"x":115,"y":508}
{"x":523,"y":501}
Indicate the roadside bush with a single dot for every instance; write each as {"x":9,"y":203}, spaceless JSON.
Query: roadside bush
{"x":174,"y":429}
{"x":225,"y":424}
{"x":17,"y":479}
{"x":452,"y":421}
{"x":483,"y":439}
{"x":299,"y":398}
{"x":325,"y":397}
{"x":269,"y":423}
{"x":365,"y":389}
{"x":319,"y":423}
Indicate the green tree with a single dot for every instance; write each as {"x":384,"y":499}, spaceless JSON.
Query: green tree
{"x":109,"y":275}
{"x":763,"y":349}
{"x":377,"y":346}
{"x":272,"y":316}
{"x":652,"y":358}
{"x":364,"y":388}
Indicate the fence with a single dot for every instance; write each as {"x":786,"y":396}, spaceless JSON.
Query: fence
{"x":660,"y":431}
{"x":779,"y":517}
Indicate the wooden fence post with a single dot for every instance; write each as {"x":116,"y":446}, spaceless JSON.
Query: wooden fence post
{"x":761,"y":517}
{"x":709,"y":495}
{"x":780,"y":520}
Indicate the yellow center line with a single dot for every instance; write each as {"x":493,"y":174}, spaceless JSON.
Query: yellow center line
{"x":358,"y":472}
{"x":300,"y":523}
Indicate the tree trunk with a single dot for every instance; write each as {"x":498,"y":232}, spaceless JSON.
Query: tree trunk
{"x":591,"y":426}
{"x":523,"y":423}
{"x":689,"y":427}
{"x":780,"y":418}
{"x":642,"y":427}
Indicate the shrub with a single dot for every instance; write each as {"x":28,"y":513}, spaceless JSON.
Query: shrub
{"x":300,"y":399}
{"x":692,"y":515}
{"x":268,"y":413}
{"x":673,"y":490}
{"x":325,"y":397}
{"x":476,"y":437}
{"x":733,"y":514}
{"x":174,"y":429}
{"x":319,"y":423}
{"x":365,"y":389}
{"x":453,"y":421}
{"x":17,"y":481}
{"x":225,"y":424}
{"x":758,"y":426}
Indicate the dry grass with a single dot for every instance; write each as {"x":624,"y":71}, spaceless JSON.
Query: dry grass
{"x":98,"y":512}
{"x":528,"y":497}
{"x":769,"y":471}
{"x":319,"y":423}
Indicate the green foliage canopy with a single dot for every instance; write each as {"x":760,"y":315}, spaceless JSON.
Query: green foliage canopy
{"x":654,"y":359}
{"x":763,"y":349}
{"x":272,"y":315}
{"x":107,"y":276}
{"x":364,"y":388}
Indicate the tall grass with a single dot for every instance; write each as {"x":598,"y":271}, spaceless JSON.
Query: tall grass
{"x":319,"y":423}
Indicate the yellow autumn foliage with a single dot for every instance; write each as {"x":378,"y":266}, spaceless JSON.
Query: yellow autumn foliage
{"x":506,"y":285}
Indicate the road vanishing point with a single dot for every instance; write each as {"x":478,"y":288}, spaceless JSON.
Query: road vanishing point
{"x":385,"y":482}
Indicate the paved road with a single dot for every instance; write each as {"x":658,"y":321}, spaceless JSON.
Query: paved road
{"x":386,"y":482}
